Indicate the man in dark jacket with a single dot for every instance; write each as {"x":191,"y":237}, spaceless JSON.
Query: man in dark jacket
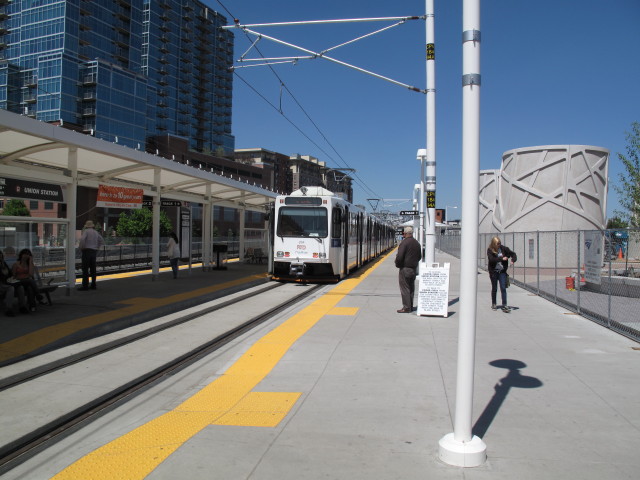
{"x":407,"y":259}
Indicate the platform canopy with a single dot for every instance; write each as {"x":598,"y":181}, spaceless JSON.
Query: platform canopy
{"x":35,"y":150}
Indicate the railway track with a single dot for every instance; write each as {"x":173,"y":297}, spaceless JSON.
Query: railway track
{"x":37,"y":439}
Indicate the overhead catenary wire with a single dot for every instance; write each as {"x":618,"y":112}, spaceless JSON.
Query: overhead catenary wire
{"x":279,"y":110}
{"x":357,"y":179}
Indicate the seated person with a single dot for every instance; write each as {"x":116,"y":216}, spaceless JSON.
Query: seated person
{"x":24,"y":271}
{"x":6,"y":289}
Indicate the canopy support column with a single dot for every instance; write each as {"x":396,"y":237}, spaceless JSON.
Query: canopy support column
{"x":207,"y":230}
{"x":242,"y":210}
{"x":155,"y":226}
{"x":72,"y":206}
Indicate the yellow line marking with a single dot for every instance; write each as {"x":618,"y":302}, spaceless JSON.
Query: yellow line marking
{"x":228,"y":400}
{"x":34,"y":340}
{"x":259,"y":409}
{"x":139,"y":273}
{"x":344,"y":311}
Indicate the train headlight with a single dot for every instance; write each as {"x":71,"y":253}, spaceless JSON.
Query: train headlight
{"x":280,"y":254}
{"x":286,"y":254}
{"x":322,"y":255}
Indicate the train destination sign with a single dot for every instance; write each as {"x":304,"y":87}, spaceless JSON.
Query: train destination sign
{"x":14,"y":188}
{"x":409,"y":212}
{"x":303,"y":201}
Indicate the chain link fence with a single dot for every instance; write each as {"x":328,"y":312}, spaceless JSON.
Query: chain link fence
{"x":593,"y":273}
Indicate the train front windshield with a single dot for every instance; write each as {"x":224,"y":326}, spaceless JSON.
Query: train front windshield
{"x":302,"y":222}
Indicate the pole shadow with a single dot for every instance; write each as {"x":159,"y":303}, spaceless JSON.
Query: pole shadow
{"x":513,"y":379}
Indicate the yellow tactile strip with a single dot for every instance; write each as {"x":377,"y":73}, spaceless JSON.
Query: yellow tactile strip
{"x":228,"y":400}
{"x":34,"y":340}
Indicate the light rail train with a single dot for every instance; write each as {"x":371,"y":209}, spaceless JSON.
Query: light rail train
{"x":319,"y":236}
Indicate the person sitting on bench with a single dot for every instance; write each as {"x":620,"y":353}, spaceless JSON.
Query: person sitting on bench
{"x":24,"y":271}
{"x":7,"y":290}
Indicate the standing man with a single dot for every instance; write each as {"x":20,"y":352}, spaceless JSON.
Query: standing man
{"x":90,"y":242}
{"x":407,"y":259}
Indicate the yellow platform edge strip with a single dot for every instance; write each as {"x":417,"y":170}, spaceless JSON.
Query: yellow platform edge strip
{"x":344,"y":311}
{"x":44,"y":336}
{"x":228,"y":400}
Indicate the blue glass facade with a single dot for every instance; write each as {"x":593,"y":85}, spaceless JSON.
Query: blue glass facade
{"x":124,"y":71}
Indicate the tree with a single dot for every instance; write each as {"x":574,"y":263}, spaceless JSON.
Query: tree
{"x":629,"y":187}
{"x":16,"y":208}
{"x":138,"y":223}
{"x":616,"y":222}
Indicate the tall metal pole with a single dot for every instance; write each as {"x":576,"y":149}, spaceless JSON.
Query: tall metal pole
{"x":430,"y":178}
{"x":422,"y":157}
{"x":461,"y":448}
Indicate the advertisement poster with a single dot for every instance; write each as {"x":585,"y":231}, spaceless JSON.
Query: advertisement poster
{"x":119,"y":197}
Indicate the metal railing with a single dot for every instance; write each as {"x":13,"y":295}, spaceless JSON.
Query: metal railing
{"x":593,"y":273}
{"x":119,"y":254}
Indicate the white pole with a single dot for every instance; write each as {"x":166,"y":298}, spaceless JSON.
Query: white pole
{"x":155,"y":225}
{"x":430,"y":179}
{"x":461,"y":448}
{"x":422,"y":157}
{"x":72,"y":209}
{"x":446,"y":214}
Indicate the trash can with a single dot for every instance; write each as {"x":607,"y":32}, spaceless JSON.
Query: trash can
{"x":220,"y":251}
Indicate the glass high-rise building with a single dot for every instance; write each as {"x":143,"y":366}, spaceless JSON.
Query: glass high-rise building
{"x":124,"y":71}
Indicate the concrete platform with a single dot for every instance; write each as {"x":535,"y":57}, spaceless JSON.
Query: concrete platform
{"x":555,"y":397}
{"x":120,"y":301}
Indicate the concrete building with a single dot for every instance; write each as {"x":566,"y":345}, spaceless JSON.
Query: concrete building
{"x":309,"y":171}
{"x":546,"y":188}
{"x":489,"y":180}
{"x":541,"y":197}
{"x":274,"y":164}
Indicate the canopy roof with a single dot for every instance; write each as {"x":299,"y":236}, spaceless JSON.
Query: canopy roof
{"x":34,"y":150}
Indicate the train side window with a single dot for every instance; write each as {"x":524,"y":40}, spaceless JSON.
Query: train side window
{"x":336,"y":223}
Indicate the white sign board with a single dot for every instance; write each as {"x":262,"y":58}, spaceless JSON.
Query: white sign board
{"x":593,"y":257}
{"x":433,"y":289}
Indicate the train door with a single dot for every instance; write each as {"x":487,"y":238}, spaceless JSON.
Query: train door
{"x":370,"y":242}
{"x":271,"y":220}
{"x":359,"y":259}
{"x":336,"y":258}
{"x":345,"y":242}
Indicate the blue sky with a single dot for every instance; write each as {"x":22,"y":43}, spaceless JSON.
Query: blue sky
{"x":553,"y":72}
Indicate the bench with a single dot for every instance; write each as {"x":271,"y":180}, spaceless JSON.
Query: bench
{"x":255,"y":255}
{"x":44,"y":288}
{"x":46,"y":291}
{"x":258,"y":255}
